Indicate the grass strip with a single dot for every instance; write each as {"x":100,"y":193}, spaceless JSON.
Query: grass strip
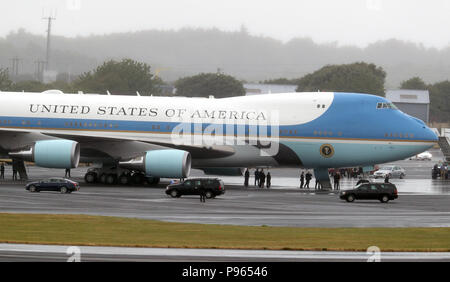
{"x":84,"y":230}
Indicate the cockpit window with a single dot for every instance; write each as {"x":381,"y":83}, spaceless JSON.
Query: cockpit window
{"x":386,"y":106}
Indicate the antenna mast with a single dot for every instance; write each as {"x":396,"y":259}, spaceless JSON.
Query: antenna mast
{"x":49,"y":29}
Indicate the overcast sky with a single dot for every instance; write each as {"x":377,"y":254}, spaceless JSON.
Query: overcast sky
{"x":355,"y":22}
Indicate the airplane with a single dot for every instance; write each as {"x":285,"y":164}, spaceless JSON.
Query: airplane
{"x":164,"y":137}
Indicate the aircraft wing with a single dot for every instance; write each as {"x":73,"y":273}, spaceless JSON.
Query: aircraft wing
{"x":104,"y":145}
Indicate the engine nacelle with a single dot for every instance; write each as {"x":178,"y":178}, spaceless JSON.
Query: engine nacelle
{"x":169,"y":163}
{"x":52,"y":153}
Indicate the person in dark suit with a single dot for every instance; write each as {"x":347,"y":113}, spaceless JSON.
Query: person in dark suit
{"x":202,"y":192}
{"x":269,"y":179}
{"x":2,"y":171}
{"x":302,"y":180}
{"x":262,"y":179}
{"x":247,"y":176}
{"x":308,"y":178}
{"x":257,"y":177}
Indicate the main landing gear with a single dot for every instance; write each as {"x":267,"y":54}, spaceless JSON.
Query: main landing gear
{"x":113,"y":176}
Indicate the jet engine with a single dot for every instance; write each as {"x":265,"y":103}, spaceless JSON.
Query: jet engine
{"x":51,"y":153}
{"x":169,"y":163}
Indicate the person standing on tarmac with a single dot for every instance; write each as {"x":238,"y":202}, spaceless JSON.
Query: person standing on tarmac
{"x":2,"y":171}
{"x":337,"y":177}
{"x":247,"y":176}
{"x":308,"y":179}
{"x":386,"y":179}
{"x":202,"y":192}
{"x":257,"y":177}
{"x":14,"y":171}
{"x":302,"y":180}
{"x":262,"y":179}
{"x":269,"y":179}
{"x":318,"y":185}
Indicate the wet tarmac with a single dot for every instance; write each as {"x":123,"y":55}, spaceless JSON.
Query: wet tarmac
{"x":418,"y":177}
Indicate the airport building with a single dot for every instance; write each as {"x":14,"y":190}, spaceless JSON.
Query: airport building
{"x":415,"y":103}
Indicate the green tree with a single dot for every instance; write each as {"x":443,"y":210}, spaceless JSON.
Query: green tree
{"x":357,"y":77}
{"x":415,"y":83}
{"x":5,"y":82}
{"x":29,"y":86}
{"x":36,"y":86}
{"x":205,"y":84}
{"x":124,"y":77}
{"x":440,"y":102}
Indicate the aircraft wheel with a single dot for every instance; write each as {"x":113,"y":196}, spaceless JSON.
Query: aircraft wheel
{"x":138,"y":178}
{"x":90,"y":177}
{"x":110,"y":179}
{"x":124,"y":179}
{"x":103,"y":178}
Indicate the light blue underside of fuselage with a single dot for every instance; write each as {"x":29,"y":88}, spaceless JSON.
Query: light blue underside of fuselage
{"x":348,"y":155}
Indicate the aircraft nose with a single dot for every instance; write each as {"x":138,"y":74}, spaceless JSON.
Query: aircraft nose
{"x":432,"y":136}
{"x":425,"y":133}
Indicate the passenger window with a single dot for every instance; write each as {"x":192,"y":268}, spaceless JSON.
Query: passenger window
{"x":373,"y":188}
{"x":187,"y":183}
{"x":363,"y":188}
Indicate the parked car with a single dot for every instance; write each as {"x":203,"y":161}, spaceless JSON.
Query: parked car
{"x":213,"y":187}
{"x":392,"y":171}
{"x":53,"y":184}
{"x":371,"y":191}
{"x":425,"y":156}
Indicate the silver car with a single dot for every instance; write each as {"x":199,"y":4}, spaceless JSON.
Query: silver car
{"x":392,"y":171}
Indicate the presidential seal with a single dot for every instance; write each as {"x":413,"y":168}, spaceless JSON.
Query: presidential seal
{"x":326,"y":150}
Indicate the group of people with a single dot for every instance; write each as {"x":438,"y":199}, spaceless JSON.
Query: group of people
{"x":306,"y":177}
{"x":260,"y":178}
{"x":440,"y":170}
{"x":2,"y":171}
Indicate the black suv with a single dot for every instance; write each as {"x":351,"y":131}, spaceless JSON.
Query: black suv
{"x":371,"y":191}
{"x":213,"y":187}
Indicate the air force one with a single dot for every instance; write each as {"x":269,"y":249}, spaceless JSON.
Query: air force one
{"x":163,"y":137}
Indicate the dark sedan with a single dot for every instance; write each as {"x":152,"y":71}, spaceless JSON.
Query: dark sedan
{"x":53,"y":184}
